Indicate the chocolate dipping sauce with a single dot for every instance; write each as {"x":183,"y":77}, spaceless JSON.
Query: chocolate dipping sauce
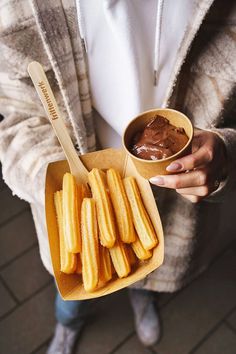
{"x":158,"y":140}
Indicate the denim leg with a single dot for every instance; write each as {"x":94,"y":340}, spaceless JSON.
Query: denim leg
{"x":71,"y":314}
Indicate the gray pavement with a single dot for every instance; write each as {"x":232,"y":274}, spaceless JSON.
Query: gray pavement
{"x":200,"y":319}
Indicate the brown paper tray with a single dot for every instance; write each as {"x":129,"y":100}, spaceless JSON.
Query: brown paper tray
{"x":70,"y":286}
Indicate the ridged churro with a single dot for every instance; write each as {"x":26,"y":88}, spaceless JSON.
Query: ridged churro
{"x":79,"y":264}
{"x":140,"y":251}
{"x":90,"y":251}
{"x":105,"y":264}
{"x":71,"y":224}
{"x":86,"y":193}
{"x":131,"y":255}
{"x":106,"y":220}
{"x":68,"y":261}
{"x":120,"y":259}
{"x":121,"y":206}
{"x":141,"y":219}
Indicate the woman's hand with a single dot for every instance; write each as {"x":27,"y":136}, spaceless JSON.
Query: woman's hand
{"x":200,"y":173}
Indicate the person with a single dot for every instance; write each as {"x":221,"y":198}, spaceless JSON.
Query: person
{"x":107,"y":61}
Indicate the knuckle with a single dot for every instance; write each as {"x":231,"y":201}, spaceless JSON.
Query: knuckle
{"x":192,"y":161}
{"x":209,"y":153}
{"x":177,"y":182}
{"x":194,"y":199}
{"x":202,"y":178}
{"x":205,"y":191}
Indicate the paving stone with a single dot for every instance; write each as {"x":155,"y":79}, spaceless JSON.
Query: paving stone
{"x":30,"y":325}
{"x":42,"y":350}
{"x":112,"y":322}
{"x":222,"y":341}
{"x":16,"y":236}
{"x":198,"y":308}
{"x":233,"y":245}
{"x":132,"y":345}
{"x":232,"y":319}
{"x":12,"y":205}
{"x":7,"y":302}
{"x":26,"y":274}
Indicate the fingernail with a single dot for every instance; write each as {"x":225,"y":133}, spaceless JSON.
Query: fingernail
{"x":175,"y":166}
{"x":157,"y":180}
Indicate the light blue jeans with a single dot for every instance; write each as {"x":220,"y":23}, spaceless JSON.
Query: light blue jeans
{"x":72,"y":314}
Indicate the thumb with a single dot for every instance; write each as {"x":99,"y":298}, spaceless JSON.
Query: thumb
{"x":197,"y":141}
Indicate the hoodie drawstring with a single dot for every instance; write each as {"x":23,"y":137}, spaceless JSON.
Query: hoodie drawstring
{"x":81,"y":25}
{"x":157,"y":40}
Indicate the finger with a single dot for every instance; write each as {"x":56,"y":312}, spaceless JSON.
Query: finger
{"x":182,"y":180}
{"x":199,"y":158}
{"x":192,"y":198}
{"x":202,"y":191}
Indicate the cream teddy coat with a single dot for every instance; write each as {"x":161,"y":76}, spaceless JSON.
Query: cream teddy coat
{"x":202,"y":85}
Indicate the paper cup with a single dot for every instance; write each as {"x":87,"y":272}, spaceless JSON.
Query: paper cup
{"x":150,"y":168}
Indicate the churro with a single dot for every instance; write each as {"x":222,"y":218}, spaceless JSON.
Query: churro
{"x":79,"y":264}
{"x":106,"y":221}
{"x":120,"y":259}
{"x":90,"y":251}
{"x":140,"y":251}
{"x":141,"y":219}
{"x":105,"y":265}
{"x":131,"y":255}
{"x":71,"y":224}
{"x":86,"y":193}
{"x":68,"y":260}
{"x":121,"y":206}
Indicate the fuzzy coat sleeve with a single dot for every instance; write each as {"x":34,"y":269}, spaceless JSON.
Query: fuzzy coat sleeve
{"x":27,"y":140}
{"x":27,"y":145}
{"x":229,"y":184}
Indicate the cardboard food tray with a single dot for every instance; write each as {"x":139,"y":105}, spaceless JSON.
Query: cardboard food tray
{"x":70,"y":286}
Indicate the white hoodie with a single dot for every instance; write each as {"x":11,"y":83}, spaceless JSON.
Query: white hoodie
{"x":125,"y":41}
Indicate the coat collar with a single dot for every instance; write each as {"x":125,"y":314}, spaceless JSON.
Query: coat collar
{"x":58,"y":46}
{"x":53,"y":29}
{"x":200,"y":11}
